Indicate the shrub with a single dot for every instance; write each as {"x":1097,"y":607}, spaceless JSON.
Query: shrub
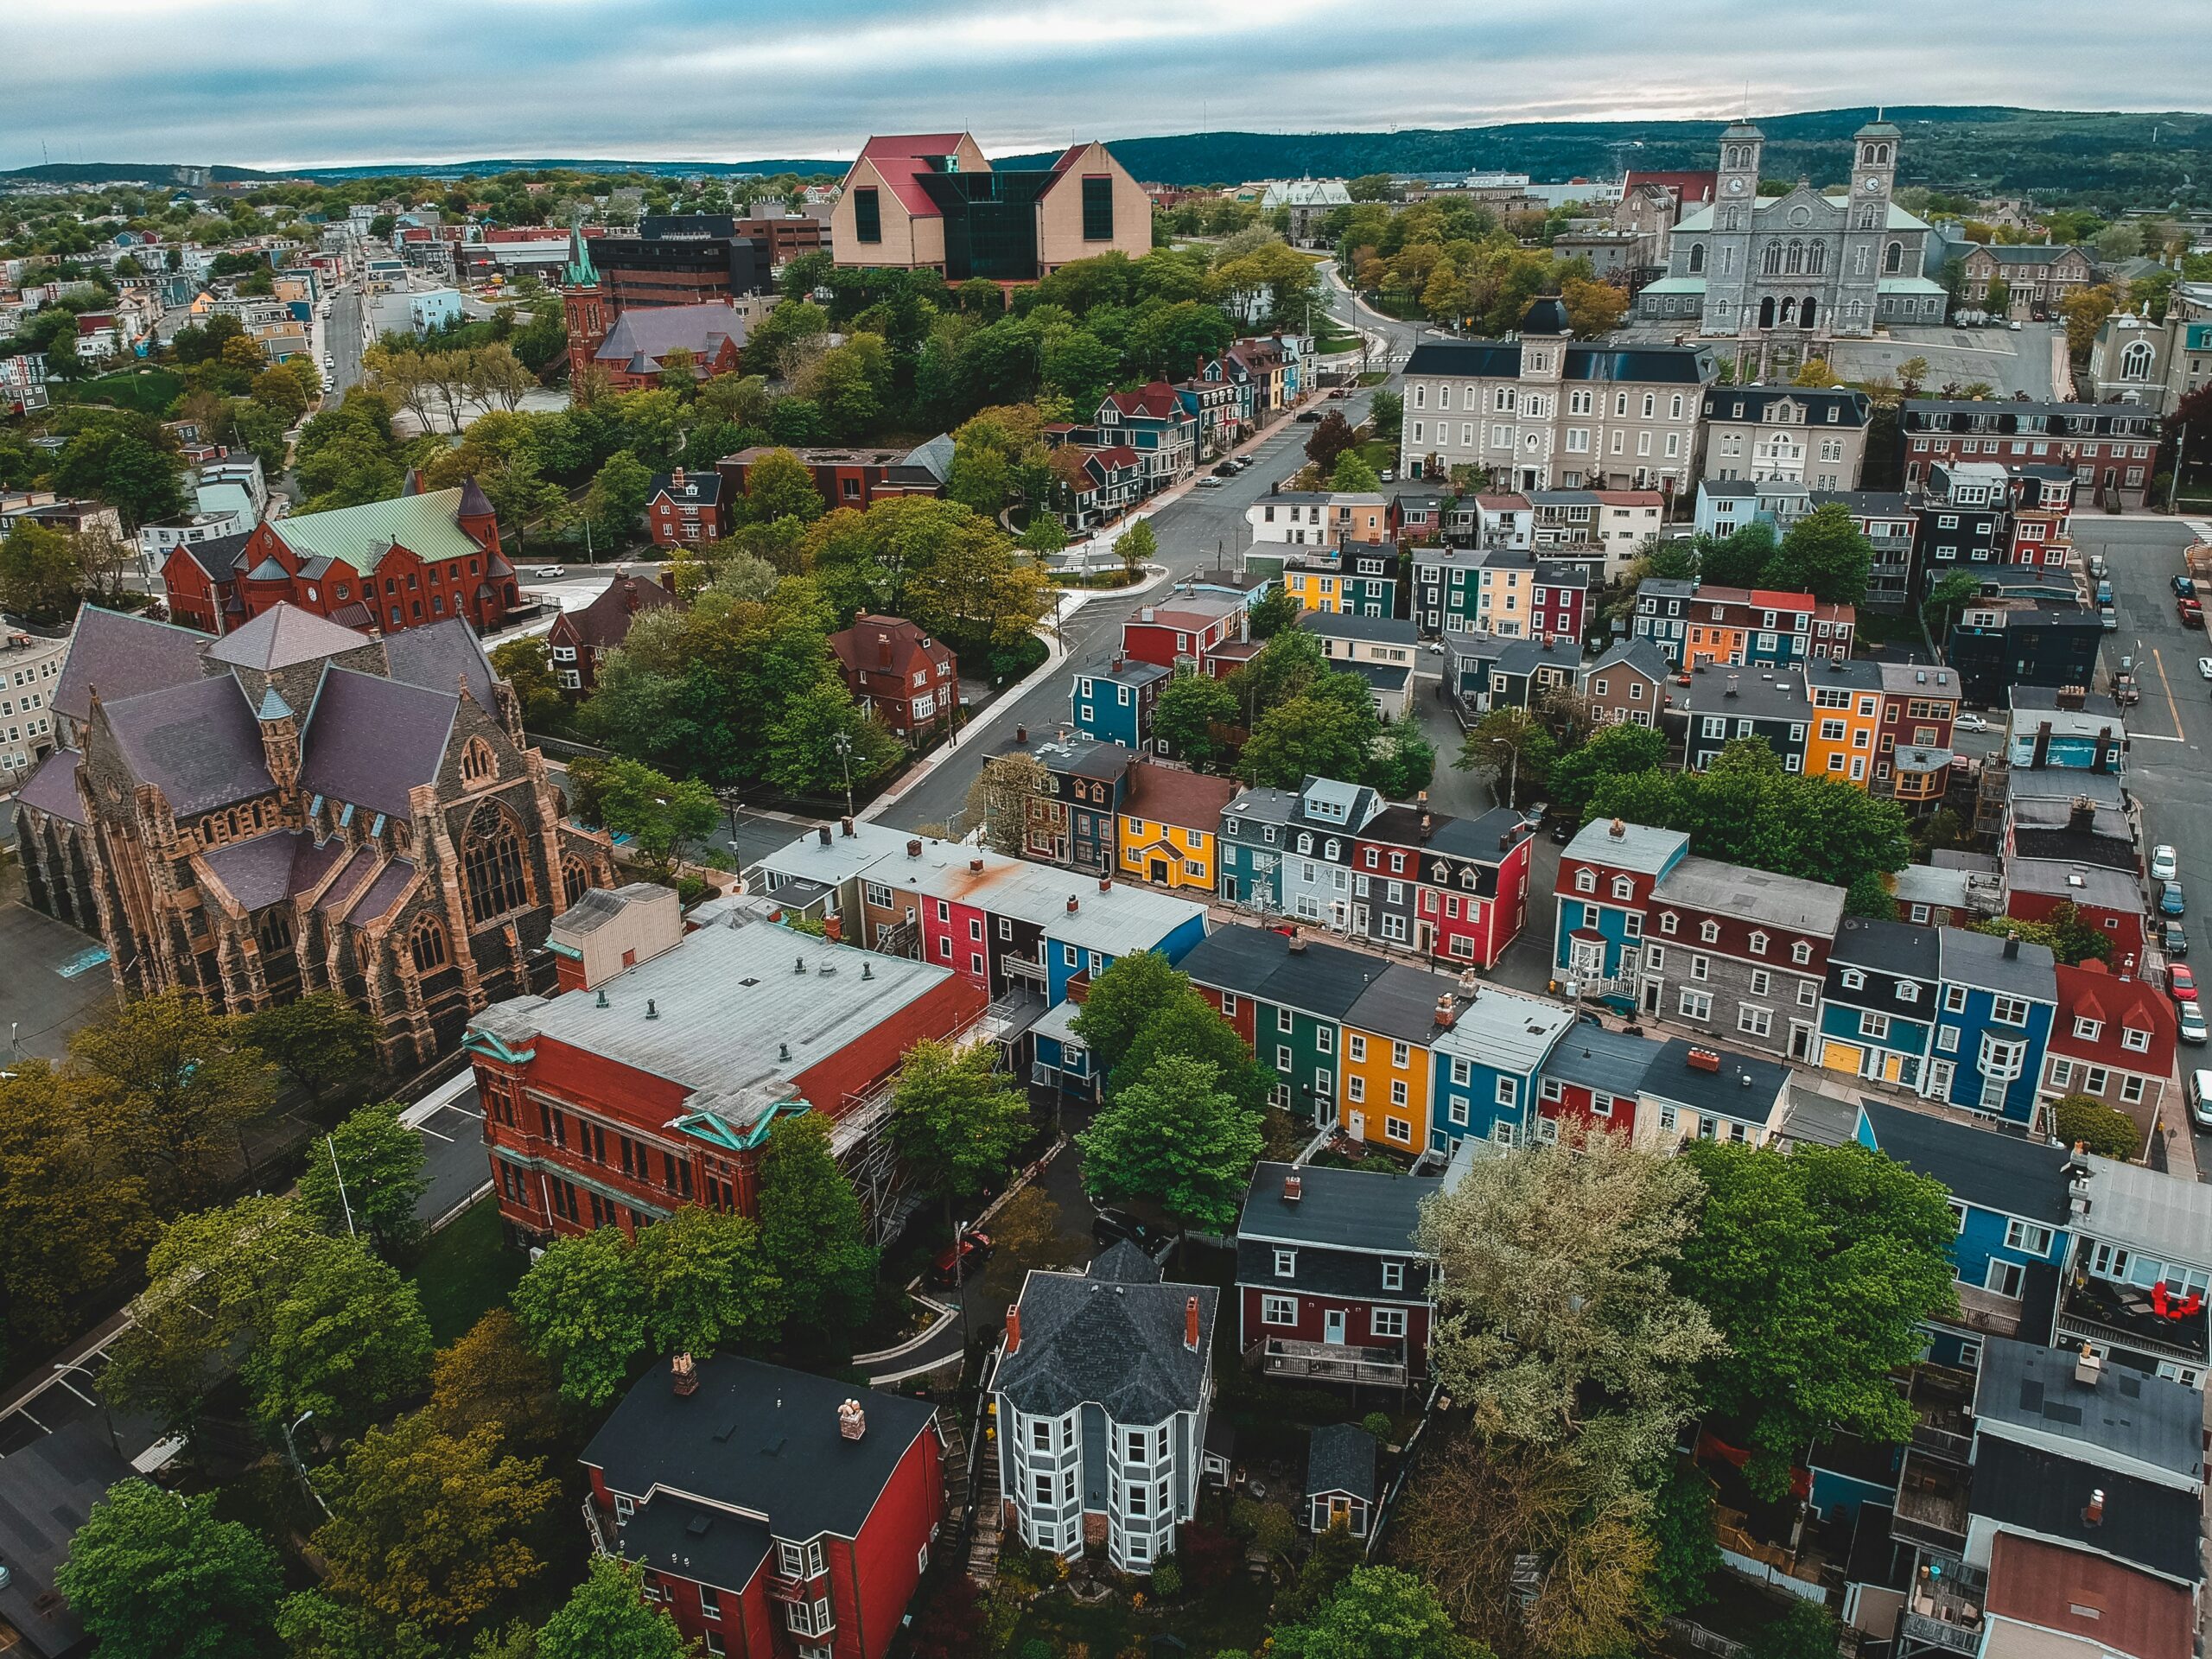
{"x":2103,"y":1130}
{"x":1167,"y":1579}
{"x":1378,"y":1425}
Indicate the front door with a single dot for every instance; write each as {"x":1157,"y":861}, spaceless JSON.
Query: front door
{"x":1158,"y":871}
{"x":1356,"y":1125}
{"x":1332,"y":1322}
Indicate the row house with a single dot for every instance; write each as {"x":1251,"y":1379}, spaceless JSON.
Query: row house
{"x":2001,"y":644}
{"x":1920,"y":704}
{"x":896,"y":673}
{"x":1725,"y":505}
{"x":1628,"y":682}
{"x":2109,"y":446}
{"x":1381,"y":650}
{"x":1802,"y":435}
{"x":1488,"y":673}
{"x":1508,"y":593}
{"x":1955,"y":1016}
{"x":686,"y":509}
{"x":1692,"y":622}
{"x":1076,"y":820}
{"x":1110,"y":481}
{"x":1352,"y":579}
{"x":1732,"y":950}
{"x":1844,"y":739}
{"x":1170,"y":825}
{"x":1890,"y":524}
{"x":1419,"y":515}
{"x":1962,"y":520}
{"x":1262,"y":828}
{"x":2112,"y":1040}
{"x":1332,"y":1281}
{"x":1117,"y":706}
{"x":770,"y":1511}
{"x":1222,"y":409}
{"x":1322,"y":518}
{"x":1153,"y":420}
{"x":1725,"y":705}
{"x":1186,"y":629}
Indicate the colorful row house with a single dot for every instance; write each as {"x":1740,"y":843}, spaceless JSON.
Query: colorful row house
{"x":1499,"y":591}
{"x":1170,"y":824}
{"x":1740,"y":626}
{"x":1116,"y":706}
{"x":1351,"y":579}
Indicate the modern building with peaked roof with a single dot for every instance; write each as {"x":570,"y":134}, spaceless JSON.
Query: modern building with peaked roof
{"x":292,"y":807}
{"x":415,"y":560}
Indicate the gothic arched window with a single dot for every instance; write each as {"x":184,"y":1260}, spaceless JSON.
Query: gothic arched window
{"x":2135,"y":362}
{"x":478,"y":764}
{"x":492,"y":867}
{"x":276,"y":930}
{"x":575,"y":880}
{"x":1697,"y":257}
{"x":1893,"y":258}
{"x":1796,"y":256}
{"x":427,"y":944}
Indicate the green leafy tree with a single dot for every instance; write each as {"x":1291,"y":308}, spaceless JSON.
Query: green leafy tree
{"x":801,"y":753}
{"x":584,"y":1309}
{"x":491,"y":1374}
{"x":1869,"y":895}
{"x":313,"y":1625}
{"x":616,"y":499}
{"x":779,"y":485}
{"x":1688,"y":1550}
{"x":1512,"y":748}
{"x":527,"y":666}
{"x":1123,"y":999}
{"x":1818,"y":1268}
{"x":1740,"y":560}
{"x":1196,"y":716}
{"x":131,"y":473}
{"x":2068,"y":936}
{"x":1823,"y":554}
{"x":317,"y":1040}
{"x":665,"y":819}
{"x":1177,"y":1138}
{"x":1946,"y":600}
{"x":703,"y":1282}
{"x":1081,"y":368}
{"x":811,"y":1230}
{"x":346,"y":1341}
{"x":955,"y":1120}
{"x":1136,"y":547}
{"x":39,"y":573}
{"x":70,"y":1214}
{"x":1309,"y":736}
{"x":1379,"y":1612}
{"x":1276,"y":610}
{"x":431,"y":1527}
{"x":1190,"y":1028}
{"x":2085,"y":1120}
{"x":153,"y":1572}
{"x":1615,"y":750}
{"x":365,"y":1178}
{"x":1352,"y":473}
{"x":1805,"y":1629}
{"x":608,"y":1617}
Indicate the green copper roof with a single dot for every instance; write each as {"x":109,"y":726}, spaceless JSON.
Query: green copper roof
{"x":360,"y":536}
{"x":580,"y":272}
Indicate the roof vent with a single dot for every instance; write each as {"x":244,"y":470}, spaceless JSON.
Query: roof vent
{"x":2088,"y":1367}
{"x":783,"y":1050}
{"x":651,"y":1011}
{"x":800,"y":966}
{"x":602,"y":996}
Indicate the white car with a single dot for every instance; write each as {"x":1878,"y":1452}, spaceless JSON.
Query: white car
{"x":550,"y":570}
{"x":2204,"y":666}
{"x":1969,"y":723}
{"x":2166,"y":863}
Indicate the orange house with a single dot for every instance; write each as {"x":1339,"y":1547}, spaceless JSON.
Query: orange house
{"x":1845,"y":733}
{"x":1716,"y":642}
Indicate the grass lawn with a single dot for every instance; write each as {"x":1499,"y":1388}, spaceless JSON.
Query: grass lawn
{"x":149,"y":392}
{"x":1233,"y":1616}
{"x":1884,"y":628}
{"x":465,"y":1271}
{"x":1374,"y":377}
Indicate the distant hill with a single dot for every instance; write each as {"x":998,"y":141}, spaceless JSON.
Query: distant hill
{"x":133,"y":173}
{"x":2144,"y":159}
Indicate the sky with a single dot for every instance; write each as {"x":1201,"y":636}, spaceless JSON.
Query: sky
{"x":276,"y":83}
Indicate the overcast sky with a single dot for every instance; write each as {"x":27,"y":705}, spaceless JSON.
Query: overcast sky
{"x":303,"y":82}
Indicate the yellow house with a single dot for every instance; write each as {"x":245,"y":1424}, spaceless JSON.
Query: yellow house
{"x":1388,"y":1061}
{"x":1169,"y":824}
{"x":1315,"y":590}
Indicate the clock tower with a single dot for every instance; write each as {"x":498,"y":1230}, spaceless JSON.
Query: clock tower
{"x":1867,"y":244}
{"x":1728,"y":301}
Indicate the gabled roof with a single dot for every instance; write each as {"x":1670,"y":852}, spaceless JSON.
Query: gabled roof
{"x":899,"y":157}
{"x":199,"y":743}
{"x":1340,"y":1457}
{"x":369,"y":740}
{"x":120,"y":656}
{"x":1169,"y":795}
{"x":699,"y":488}
{"x":425,"y":524}
{"x":2092,"y":991}
{"x":642,"y":338}
{"x":861,"y":647}
{"x":283,"y":636}
{"x":53,"y":787}
{"x":605,"y":622}
{"x":1987,"y":1168}
{"x":439,"y":656}
{"x":1639,"y":654}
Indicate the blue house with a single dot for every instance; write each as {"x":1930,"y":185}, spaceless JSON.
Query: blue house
{"x":1605,"y":878}
{"x":1117,"y":706}
{"x":1487,"y":1064}
{"x":1879,"y":1001}
{"x":1993,"y":1028}
{"x":2010,"y":1200}
{"x":1262,"y":827}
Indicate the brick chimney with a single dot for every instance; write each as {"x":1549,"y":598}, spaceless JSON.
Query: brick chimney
{"x":1191,"y":1338}
{"x":683,"y":1375}
{"x":1014,"y":1329}
{"x":2093,"y":1515}
{"x":1293,"y":1187}
{"x":852,"y":1421}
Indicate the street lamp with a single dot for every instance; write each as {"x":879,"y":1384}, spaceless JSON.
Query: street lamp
{"x":845,"y":759}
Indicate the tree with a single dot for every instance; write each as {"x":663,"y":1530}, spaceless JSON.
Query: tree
{"x":1815,"y":371}
{"x":1352,"y":473}
{"x":779,"y":485}
{"x":617,"y":496}
{"x":811,"y":1233}
{"x":490,"y":1374}
{"x":1818,"y":1267}
{"x":38,"y":573}
{"x":1378,"y":1612}
{"x":132,"y":473}
{"x":1952,"y":595}
{"x":1592,"y":307}
{"x":1688,"y":1549}
{"x":1000,"y":799}
{"x":313,"y":1625}
{"x":801,"y":751}
{"x":70,"y":1214}
{"x":346,"y":1341}
{"x":1276,"y":610}
{"x":1178,"y":1138}
{"x":1335,"y":1554}
{"x":1190,"y":1028}
{"x":702,"y":1281}
{"x":1309,"y":736}
{"x":429,"y":1526}
{"x":608,"y":1617}
{"x":1738,"y":560}
{"x":153,"y":1572}
{"x":527,"y":665}
{"x":2085,"y":310}
{"x":1823,"y":554}
{"x":1805,"y":1629}
{"x":1194,"y":717}
{"x":664,"y":819}
{"x":1331,"y":436}
{"x":1556,"y":1324}
{"x":1081,"y":368}
{"x":2064,"y":933}
{"x":365,"y":1178}
{"x":1868,"y":896}
{"x":2085,"y":1120}
{"x":584,"y":1311}
{"x":317,"y":1040}
{"x":955,"y":1120}
{"x":1123,"y":999}
{"x":170,"y":1082}
{"x":1615,"y":750}
{"x":1136,"y":547}
{"x":1512,"y":747}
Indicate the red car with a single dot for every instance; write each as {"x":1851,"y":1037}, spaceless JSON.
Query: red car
{"x":973,"y":1247}
{"x":2192,"y":613}
{"x":2181,"y":983}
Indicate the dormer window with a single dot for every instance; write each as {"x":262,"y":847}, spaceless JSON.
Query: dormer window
{"x":1285,"y":1264}
{"x":1586,"y":880}
{"x":1623,"y":887}
{"x":1669,"y":922}
{"x":1758,"y":944}
{"x":1853,"y":980}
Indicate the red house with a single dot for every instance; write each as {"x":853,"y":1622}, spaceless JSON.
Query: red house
{"x":1332,"y":1282}
{"x":1456,"y":888}
{"x":419,"y":558}
{"x":852,"y":477}
{"x":2114,"y":1041}
{"x":579,"y":639}
{"x":686,"y":509}
{"x":1188,"y":627}
{"x":774,"y":1512}
{"x":651,"y":1077}
{"x":907,"y":680}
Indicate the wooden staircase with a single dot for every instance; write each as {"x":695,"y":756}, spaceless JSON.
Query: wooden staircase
{"x":983,"y":1495}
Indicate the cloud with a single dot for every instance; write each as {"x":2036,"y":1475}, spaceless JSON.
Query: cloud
{"x":305,"y":82}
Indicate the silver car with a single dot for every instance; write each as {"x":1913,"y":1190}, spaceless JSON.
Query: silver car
{"x":2166,"y":863}
{"x":2190,"y":1017}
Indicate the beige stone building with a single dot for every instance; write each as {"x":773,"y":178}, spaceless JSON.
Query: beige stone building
{"x":1816,"y":436}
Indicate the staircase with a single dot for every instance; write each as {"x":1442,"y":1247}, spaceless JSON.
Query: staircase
{"x":955,"y":1441}
{"x":983,"y":1548}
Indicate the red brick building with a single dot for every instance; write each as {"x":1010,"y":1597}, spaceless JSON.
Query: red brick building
{"x":907,"y":680}
{"x":774,"y":1512}
{"x":651,"y":1077}
{"x":418,"y":559}
{"x":2111,"y":448}
{"x":686,"y":509}
{"x":854,"y":478}
{"x":579,"y":640}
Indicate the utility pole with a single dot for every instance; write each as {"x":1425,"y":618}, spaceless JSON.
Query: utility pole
{"x":331,"y":1143}
{"x":2173,"y":479}
{"x":845,"y":759}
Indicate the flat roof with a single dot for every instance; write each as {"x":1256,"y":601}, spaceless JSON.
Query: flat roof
{"x":2143,"y":1417}
{"x":1787,"y":901}
{"x":2156,"y":1213}
{"x":1499,"y":1028}
{"x":1355,"y":1209}
{"x":1636,"y":847}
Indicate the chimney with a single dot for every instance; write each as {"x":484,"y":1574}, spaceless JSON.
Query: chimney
{"x":1731,"y":685}
{"x":852,"y":1421}
{"x":1295,"y":945}
{"x":845,"y":826}
{"x":2011,"y":947}
{"x":824,"y":833}
{"x":1014,"y":1329}
{"x":974,"y":867}
{"x":1425,"y":827}
{"x":2088,"y":1367}
{"x":913,"y":848}
{"x":1703,"y":1060}
{"x":1293,"y":1187}
{"x":683,"y":1375}
{"x":1617,"y":829}
{"x":676,"y":478}
{"x":1191,"y":1337}
{"x":1073,"y":904}
{"x":1445,"y":1012}
{"x":2093,"y":1515}
{"x":2041,"y":751}
{"x":883,"y":651}
{"x":2082,"y":815}
{"x":2106,"y":749}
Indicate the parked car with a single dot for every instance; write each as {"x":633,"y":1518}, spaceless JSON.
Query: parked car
{"x":2166,"y":863}
{"x":1970,"y":723}
{"x":2170,"y":900}
{"x":950,"y":1267}
{"x":2110,"y":617}
{"x":2185,"y":587}
{"x":2096,"y":564}
{"x":2173,"y":939}
{"x":2200,"y":1099}
{"x":2104,"y":592}
{"x":2181,"y":983}
{"x":1112,"y":1226}
{"x":1209,"y":482}
{"x":2204,"y":667}
{"x":547,"y":570}
{"x":2190,"y":1018}
{"x":1309,"y":414}
{"x":1224,"y":469}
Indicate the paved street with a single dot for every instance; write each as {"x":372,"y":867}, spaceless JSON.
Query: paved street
{"x":341,"y":337}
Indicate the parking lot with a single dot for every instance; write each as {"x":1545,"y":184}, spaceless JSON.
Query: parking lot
{"x":54,"y":980}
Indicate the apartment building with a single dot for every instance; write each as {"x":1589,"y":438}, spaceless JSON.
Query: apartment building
{"x":1816,"y":436}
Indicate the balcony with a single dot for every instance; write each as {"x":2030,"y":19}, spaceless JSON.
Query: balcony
{"x":1931,"y":1506}
{"x":1332,"y":1362}
{"x":1986,"y":1312}
{"x":1920,"y":1631}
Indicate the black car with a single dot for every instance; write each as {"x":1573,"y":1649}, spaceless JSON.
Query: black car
{"x":1111,"y":1227}
{"x":2185,"y":586}
{"x":1309,"y":414}
{"x":2173,"y":939}
{"x":1225,"y":469}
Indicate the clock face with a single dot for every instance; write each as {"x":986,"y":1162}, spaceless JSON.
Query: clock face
{"x":1872,"y":187}
{"x":1735,"y":187}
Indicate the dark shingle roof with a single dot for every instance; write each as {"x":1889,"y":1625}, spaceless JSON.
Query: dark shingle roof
{"x":693,"y":1540}
{"x":284,"y":636}
{"x":257,"y":872}
{"x":369,"y":740}
{"x":760,"y":1439}
{"x":53,"y":787}
{"x":2025,"y":1489}
{"x":1340,"y":1457}
{"x":122,"y":656}
{"x":1346,"y":1208}
{"x":200,"y":742}
{"x":2149,"y":1419}
{"x":438,"y":657}
{"x":1983,"y":1168}
{"x":1742,"y":1087}
{"x":1593,"y":1057}
{"x":1116,"y":1344}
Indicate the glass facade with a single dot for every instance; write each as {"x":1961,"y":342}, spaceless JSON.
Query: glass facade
{"x":867,"y":215}
{"x":1098,"y":207}
{"x":990,"y":222}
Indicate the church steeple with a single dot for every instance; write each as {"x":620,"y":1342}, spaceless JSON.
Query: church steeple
{"x":580,"y":272}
